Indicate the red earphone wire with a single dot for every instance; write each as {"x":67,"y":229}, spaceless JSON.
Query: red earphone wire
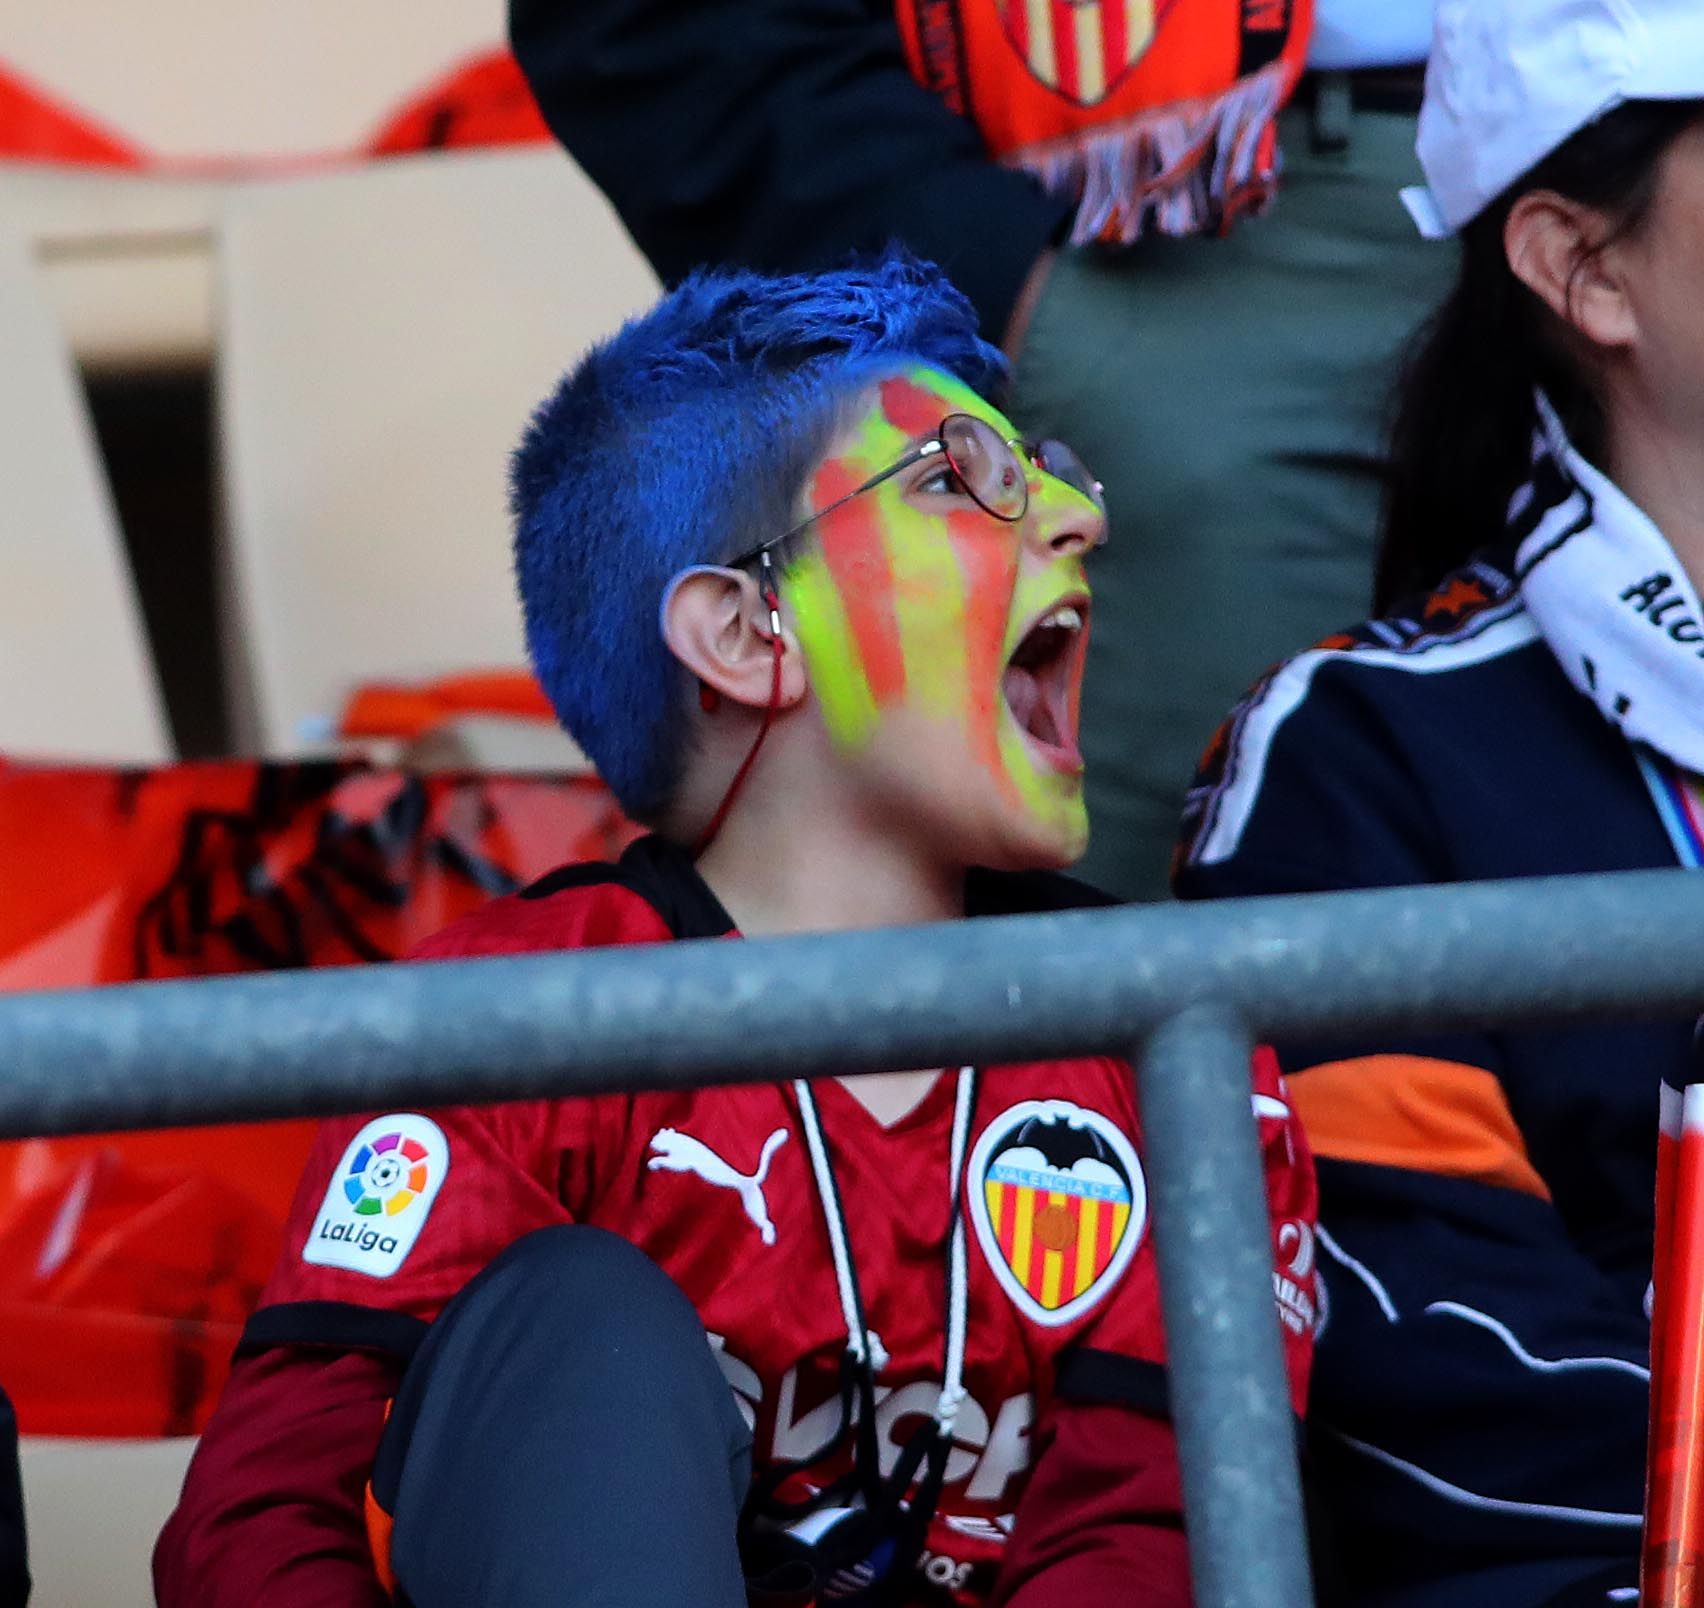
{"x":772,"y":599}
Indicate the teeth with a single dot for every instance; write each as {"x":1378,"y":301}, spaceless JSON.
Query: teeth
{"x":1065,"y":618}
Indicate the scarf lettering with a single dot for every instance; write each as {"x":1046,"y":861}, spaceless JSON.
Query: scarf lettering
{"x":1611,"y":599}
{"x":1653,"y":598}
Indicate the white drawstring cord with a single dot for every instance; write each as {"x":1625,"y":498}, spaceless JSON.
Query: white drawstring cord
{"x":862,"y":1342}
{"x":859,"y":1341}
{"x":958,"y":1277}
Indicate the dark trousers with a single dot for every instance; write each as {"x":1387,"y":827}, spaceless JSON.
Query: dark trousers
{"x":565,"y":1437}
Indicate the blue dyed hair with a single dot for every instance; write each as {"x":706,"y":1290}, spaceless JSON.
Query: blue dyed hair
{"x":687,"y":439}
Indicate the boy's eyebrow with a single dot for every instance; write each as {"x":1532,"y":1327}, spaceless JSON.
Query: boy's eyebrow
{"x":913,"y":443}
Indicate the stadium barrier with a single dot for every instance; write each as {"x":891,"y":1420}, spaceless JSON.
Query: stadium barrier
{"x":1184,"y":989}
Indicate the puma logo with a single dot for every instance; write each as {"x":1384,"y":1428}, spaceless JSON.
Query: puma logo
{"x":680,"y":1152}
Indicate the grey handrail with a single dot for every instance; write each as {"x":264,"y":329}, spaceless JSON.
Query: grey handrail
{"x":680,"y":1015}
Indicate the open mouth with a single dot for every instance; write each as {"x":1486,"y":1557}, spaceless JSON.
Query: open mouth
{"x":1040,"y":678}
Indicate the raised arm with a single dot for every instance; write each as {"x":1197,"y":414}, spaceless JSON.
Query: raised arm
{"x":778,"y":136}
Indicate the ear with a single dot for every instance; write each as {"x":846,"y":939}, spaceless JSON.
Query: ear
{"x":1564,"y":253}
{"x":716,"y":623}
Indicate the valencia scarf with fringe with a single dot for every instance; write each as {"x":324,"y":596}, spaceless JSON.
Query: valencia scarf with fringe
{"x":1149,"y":114}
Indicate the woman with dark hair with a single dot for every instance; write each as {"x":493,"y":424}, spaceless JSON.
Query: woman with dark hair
{"x":1521,"y":320}
{"x":1535,"y":706}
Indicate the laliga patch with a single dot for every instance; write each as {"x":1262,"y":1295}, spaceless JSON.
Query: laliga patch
{"x":377,"y":1200}
{"x":1059,"y":1204}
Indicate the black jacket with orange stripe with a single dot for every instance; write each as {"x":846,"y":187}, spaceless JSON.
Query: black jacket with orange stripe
{"x":1480,"y":1388}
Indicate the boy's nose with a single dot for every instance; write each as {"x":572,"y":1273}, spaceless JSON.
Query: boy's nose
{"x":1064,"y":523}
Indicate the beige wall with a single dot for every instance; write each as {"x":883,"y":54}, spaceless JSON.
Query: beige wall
{"x":187,"y":78}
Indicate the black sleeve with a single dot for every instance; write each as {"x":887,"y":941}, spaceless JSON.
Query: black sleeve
{"x":333,"y":1326}
{"x":14,"y":1575}
{"x":779,"y":135}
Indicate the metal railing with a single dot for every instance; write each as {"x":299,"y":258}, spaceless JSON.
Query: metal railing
{"x":1184,"y":990}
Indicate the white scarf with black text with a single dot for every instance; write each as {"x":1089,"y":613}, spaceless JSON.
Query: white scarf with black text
{"x":1611,"y":599}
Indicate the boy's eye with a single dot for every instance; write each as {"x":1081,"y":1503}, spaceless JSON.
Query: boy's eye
{"x":942,"y":481}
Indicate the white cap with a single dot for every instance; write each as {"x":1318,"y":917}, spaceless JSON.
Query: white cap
{"x":1510,"y":80}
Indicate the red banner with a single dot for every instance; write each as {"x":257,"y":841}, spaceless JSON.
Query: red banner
{"x":36,"y":128}
{"x":482,"y":101}
{"x":128,"y":1264}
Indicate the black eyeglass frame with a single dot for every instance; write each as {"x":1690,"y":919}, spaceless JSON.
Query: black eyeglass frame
{"x":1019,"y":451}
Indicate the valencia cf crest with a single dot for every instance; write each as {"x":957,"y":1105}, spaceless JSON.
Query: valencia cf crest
{"x":1059,"y":1203}
{"x":1081,"y":49}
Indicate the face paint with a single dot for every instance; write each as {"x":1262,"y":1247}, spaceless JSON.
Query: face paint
{"x":858,"y":569}
{"x":909,"y":603}
{"x":990,"y":574}
{"x":911,"y":406}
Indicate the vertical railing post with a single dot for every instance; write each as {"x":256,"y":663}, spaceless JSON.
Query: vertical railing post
{"x":1229,"y":1396}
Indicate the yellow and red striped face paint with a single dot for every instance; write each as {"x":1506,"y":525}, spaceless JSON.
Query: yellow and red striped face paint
{"x":909,"y":602}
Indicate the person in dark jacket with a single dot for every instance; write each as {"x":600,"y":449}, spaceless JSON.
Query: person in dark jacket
{"x":1230,"y":390}
{"x":1535,"y":707}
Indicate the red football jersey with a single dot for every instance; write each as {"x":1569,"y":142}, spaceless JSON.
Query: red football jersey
{"x":398,"y":1212}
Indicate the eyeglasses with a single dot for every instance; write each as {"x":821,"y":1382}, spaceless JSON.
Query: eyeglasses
{"x":987,"y":467}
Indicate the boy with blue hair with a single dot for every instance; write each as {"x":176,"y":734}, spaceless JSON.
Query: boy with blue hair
{"x":794,"y":584}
